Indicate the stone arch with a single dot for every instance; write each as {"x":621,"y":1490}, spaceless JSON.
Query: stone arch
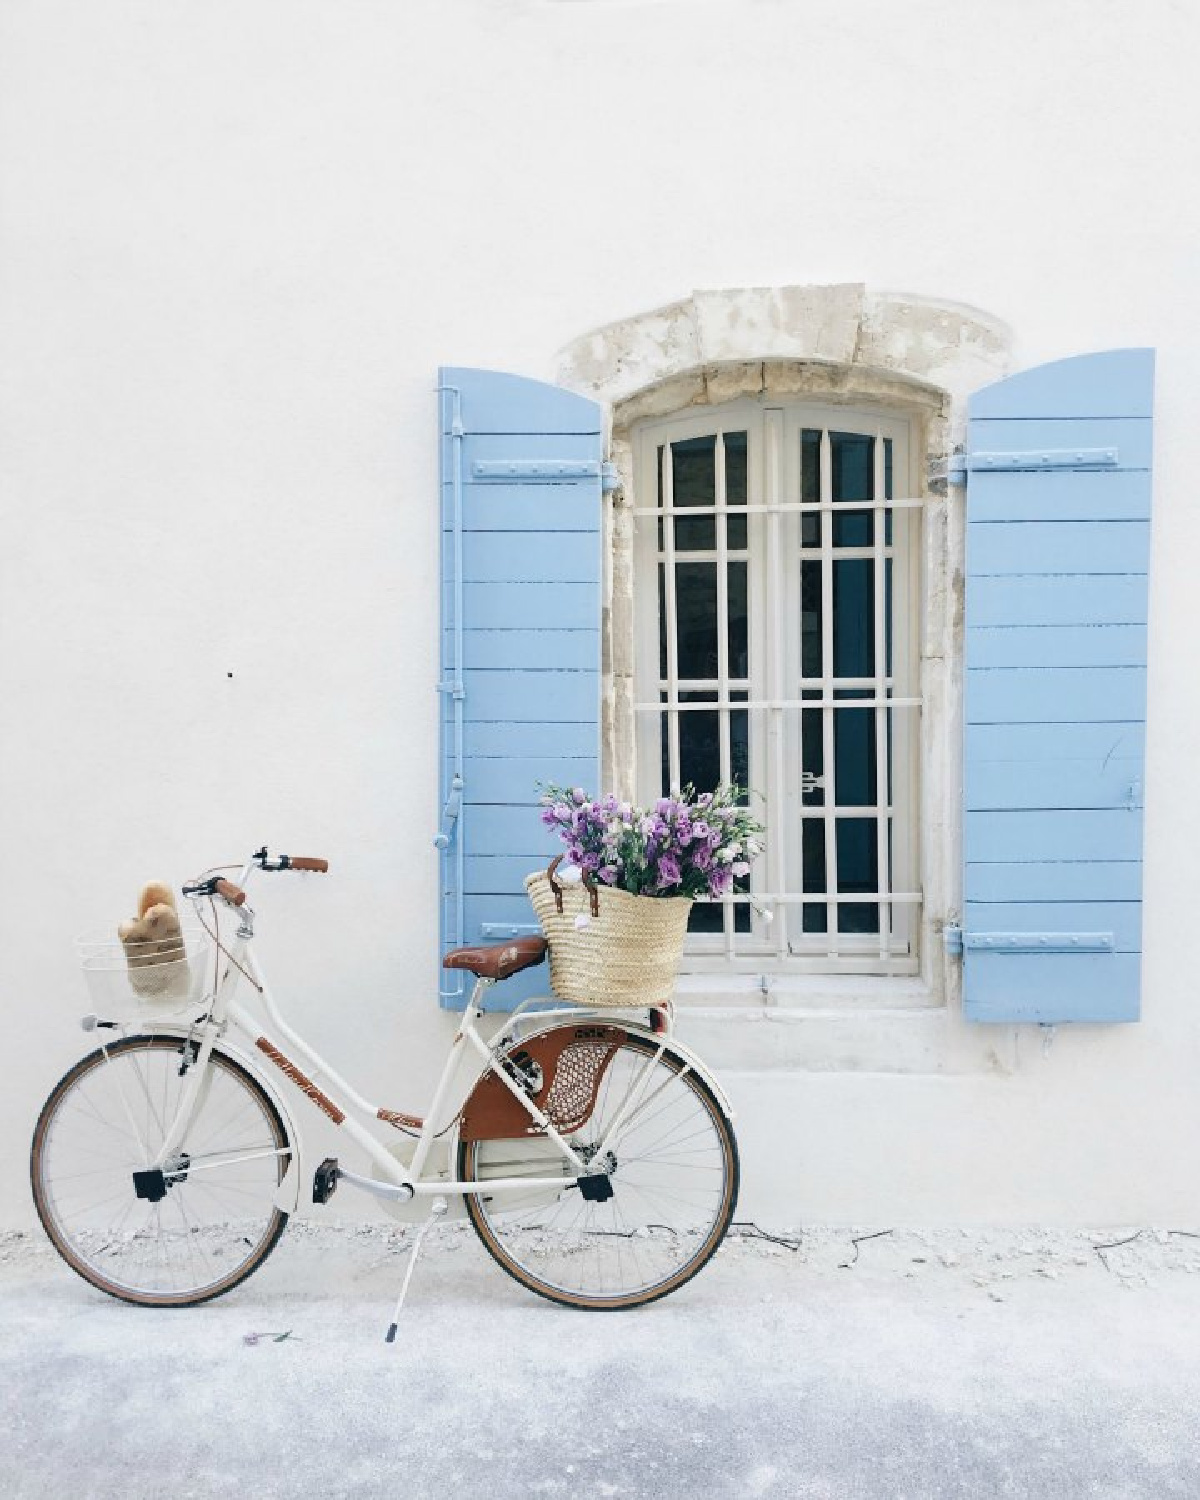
{"x":834,"y":343}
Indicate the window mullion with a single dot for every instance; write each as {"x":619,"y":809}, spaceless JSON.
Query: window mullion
{"x":827,"y":709}
{"x":728,"y":912}
{"x":776,"y":614}
{"x":882,"y":821}
{"x":672,"y":622}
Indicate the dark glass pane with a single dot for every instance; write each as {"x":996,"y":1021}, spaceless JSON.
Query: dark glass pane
{"x":696,"y":612}
{"x":853,"y":459}
{"x":887,"y":616}
{"x":887,"y":489}
{"x":694,"y":475}
{"x":857,"y":855}
{"x":658,"y":497}
{"x":739,"y":747}
{"x":699,"y":750}
{"x":739,"y":634}
{"x":854,"y":757}
{"x":662,"y":620}
{"x":735,"y":486}
{"x":816,"y":918}
{"x":812,"y":755}
{"x":858,"y":916}
{"x":810,"y":619}
{"x":709,"y":916}
{"x":853,"y":618}
{"x":695,"y":534}
{"x":810,"y":486}
{"x":812,"y":850}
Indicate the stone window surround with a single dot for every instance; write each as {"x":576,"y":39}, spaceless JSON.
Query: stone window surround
{"x":843,"y":343}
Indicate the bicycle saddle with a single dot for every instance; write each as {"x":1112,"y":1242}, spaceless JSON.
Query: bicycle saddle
{"x":498,"y":960}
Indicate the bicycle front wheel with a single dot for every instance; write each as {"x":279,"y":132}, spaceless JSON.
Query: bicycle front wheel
{"x":673,"y":1174}
{"x":215,"y":1221}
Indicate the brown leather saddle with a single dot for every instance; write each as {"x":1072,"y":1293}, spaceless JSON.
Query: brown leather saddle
{"x":498,"y":960}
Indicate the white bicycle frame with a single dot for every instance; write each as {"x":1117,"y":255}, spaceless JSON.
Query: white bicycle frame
{"x":340,"y":1102}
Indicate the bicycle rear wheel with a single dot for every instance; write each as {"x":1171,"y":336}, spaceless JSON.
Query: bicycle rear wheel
{"x":674,"y":1179}
{"x":216,"y":1221}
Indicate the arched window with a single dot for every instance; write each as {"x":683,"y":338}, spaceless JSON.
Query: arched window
{"x":777,"y":550}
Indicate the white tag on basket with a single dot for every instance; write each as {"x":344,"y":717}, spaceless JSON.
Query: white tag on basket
{"x":582,"y":921}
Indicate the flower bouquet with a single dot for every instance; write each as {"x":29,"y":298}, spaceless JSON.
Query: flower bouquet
{"x":616,"y":934}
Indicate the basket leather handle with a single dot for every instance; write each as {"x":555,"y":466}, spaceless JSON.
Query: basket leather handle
{"x":554,"y":885}
{"x":589,"y":885}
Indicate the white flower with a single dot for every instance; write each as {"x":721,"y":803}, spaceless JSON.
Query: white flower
{"x":753,"y":848}
{"x":727,"y":856}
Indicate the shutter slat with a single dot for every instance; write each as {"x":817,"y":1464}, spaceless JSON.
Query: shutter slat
{"x":1055,"y":692}
{"x":1062,"y":496}
{"x":1065,"y":599}
{"x":1130,"y":437}
{"x":1032,"y":547}
{"x":1057,"y":646}
{"x":1047,"y":695}
{"x":525,"y":559}
{"x":1097,"y":880}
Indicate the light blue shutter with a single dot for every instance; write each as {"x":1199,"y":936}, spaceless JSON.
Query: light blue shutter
{"x":1058,"y":540}
{"x":521,"y":477}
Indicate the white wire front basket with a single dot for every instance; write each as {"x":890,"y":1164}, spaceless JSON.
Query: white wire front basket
{"x":134,"y":980}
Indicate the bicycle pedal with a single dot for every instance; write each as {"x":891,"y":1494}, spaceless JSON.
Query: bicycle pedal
{"x":325,"y":1180}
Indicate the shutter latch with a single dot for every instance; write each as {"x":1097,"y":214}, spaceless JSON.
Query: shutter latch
{"x":450,"y":814}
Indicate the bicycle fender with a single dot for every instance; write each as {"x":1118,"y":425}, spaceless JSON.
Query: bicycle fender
{"x":694,"y":1064}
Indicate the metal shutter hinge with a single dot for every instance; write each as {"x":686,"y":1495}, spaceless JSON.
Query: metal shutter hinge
{"x":958,"y":465}
{"x":535,"y":470}
{"x":1027,"y":942}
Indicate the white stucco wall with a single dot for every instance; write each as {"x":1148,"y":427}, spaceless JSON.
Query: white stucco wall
{"x":237,"y":240}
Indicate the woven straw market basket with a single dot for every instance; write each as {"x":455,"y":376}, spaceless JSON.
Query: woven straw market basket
{"x":608,"y":948}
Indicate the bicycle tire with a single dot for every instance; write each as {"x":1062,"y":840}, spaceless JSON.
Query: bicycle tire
{"x":551,"y":1229}
{"x":120,"y":1243}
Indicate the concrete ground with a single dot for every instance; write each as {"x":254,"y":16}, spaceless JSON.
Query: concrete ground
{"x":909,"y":1365}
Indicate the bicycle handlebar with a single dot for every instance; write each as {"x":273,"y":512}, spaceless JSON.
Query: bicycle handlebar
{"x":213,"y":885}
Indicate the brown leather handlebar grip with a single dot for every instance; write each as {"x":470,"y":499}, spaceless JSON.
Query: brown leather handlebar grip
{"x":232,"y":893}
{"x":303,"y":862}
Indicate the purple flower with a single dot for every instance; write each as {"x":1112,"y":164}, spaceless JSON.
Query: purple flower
{"x":591,"y":861}
{"x":700,"y":829}
{"x":715,"y":838}
{"x":720,"y":882}
{"x":579,"y":796}
{"x":702,"y":857}
{"x":608,"y":873}
{"x":668,"y":871}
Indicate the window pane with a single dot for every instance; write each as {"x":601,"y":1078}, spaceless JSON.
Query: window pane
{"x":810,"y":486}
{"x":735,"y":487}
{"x":887,"y":489}
{"x":812,"y":757}
{"x":694,"y":471}
{"x":699,"y":746}
{"x":696,"y":612}
{"x":854,"y":757}
{"x":738,"y":643}
{"x":853,"y":618}
{"x":810,"y":619}
{"x":857,"y":870}
{"x":853,"y":459}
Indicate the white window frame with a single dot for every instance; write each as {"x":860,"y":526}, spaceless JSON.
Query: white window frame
{"x":774,"y":518}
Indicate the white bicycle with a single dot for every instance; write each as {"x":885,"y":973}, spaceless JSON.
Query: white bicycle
{"x":594,"y":1153}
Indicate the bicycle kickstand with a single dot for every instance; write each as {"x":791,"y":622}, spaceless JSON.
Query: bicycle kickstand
{"x":436,"y":1213}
